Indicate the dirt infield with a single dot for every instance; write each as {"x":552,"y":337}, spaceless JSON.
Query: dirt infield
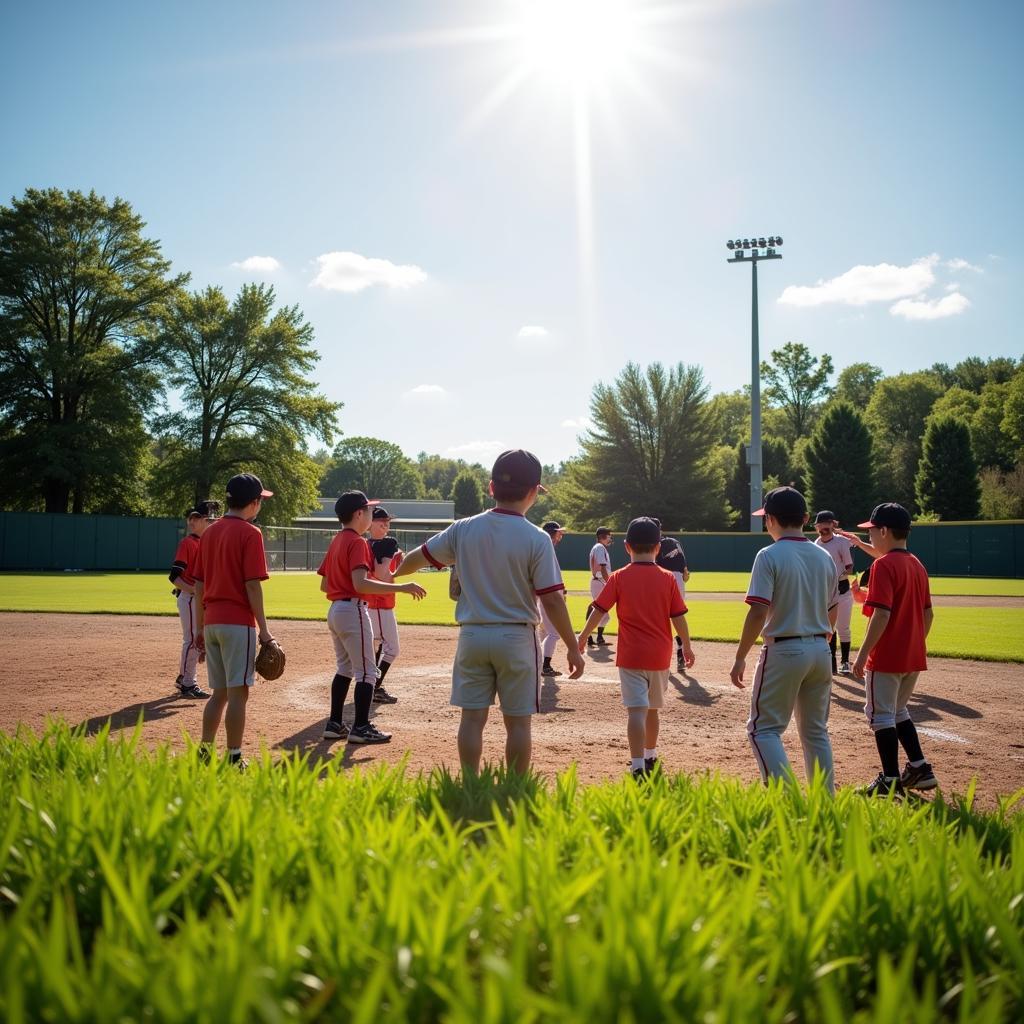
{"x":91,"y":668}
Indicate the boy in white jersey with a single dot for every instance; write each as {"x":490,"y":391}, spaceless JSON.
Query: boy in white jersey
{"x":555,"y":532}
{"x":600,"y":570}
{"x":792,"y":598}
{"x":841,"y":552}
{"x":505,"y":564}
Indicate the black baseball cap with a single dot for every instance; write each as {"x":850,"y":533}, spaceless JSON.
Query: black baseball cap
{"x":643,"y":532}
{"x":518,"y":467}
{"x":783,"y":501}
{"x":247,"y":487}
{"x":380,"y":512}
{"x":204,"y":510}
{"x":552,"y":527}
{"x":824,"y":517}
{"x":602,"y":531}
{"x":351,"y":501}
{"x":889,"y":514}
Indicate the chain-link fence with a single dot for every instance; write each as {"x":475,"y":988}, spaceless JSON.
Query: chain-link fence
{"x":292,"y":549}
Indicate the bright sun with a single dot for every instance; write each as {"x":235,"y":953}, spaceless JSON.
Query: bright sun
{"x":578,"y":43}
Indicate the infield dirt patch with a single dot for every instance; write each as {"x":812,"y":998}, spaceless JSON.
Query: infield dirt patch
{"x":91,"y":668}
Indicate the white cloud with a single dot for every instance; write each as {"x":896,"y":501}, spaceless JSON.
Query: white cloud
{"x":931,"y":309}
{"x":860,"y":285}
{"x":953,"y":286}
{"x":959,"y":264}
{"x":582,"y":423}
{"x":258,"y":264}
{"x":533,"y":331}
{"x":427,"y":389}
{"x":350,"y":273}
{"x":477,"y":448}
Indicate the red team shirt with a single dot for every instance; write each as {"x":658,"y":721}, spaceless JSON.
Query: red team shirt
{"x":348,"y":552}
{"x":647,"y":597}
{"x":185,"y":557}
{"x":384,"y":600}
{"x":229,"y":555}
{"x":899,"y":584}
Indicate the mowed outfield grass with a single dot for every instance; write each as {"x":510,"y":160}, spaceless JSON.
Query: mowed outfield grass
{"x":985,"y":634}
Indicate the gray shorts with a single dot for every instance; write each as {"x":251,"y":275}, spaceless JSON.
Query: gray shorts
{"x":230,"y":655}
{"x":887,"y":695}
{"x":643,"y":688}
{"x":502,"y":660}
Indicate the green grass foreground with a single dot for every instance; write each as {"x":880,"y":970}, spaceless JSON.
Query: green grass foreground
{"x":140,"y":885}
{"x":984,"y":634}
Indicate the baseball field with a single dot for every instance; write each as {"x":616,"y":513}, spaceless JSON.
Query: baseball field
{"x":370,"y":884}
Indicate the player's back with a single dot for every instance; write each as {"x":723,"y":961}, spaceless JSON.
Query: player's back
{"x":799,"y":580}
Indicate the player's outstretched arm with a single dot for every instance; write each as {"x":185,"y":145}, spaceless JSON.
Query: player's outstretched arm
{"x":868,"y":549}
{"x":363,"y":584}
{"x":413,"y":561}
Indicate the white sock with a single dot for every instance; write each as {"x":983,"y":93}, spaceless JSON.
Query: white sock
{"x":652,"y":752}
{"x":917,"y":764}
{"x":636,"y":762}
{"x":234,"y":751}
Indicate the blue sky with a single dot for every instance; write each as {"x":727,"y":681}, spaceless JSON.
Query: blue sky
{"x":484,"y":209}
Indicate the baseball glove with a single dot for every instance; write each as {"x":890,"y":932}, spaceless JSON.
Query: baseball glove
{"x":270,"y":660}
{"x":384,"y":549}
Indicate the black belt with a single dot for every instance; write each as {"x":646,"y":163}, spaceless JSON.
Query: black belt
{"x":357,"y":599}
{"x":815,"y":636}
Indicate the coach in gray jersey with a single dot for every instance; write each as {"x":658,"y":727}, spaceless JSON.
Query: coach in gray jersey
{"x":505,"y":565}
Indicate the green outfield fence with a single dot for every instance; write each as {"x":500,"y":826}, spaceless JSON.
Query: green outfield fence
{"x":36,"y":541}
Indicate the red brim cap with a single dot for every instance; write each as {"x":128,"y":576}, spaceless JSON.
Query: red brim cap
{"x":759,"y":512}
{"x":865,"y":526}
{"x":376,"y":501}
{"x":266,"y":494}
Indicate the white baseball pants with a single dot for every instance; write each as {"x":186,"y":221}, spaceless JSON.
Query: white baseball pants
{"x":844,"y":612}
{"x":385,"y":629}
{"x":794,"y":675}
{"x":550,"y":639}
{"x":596,"y":586}
{"x":352,"y":633}
{"x":189,"y":659}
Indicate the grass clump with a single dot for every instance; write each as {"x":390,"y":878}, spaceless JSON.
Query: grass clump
{"x":141,"y":885}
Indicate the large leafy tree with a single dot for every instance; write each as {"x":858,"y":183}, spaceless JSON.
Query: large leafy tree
{"x":896,"y":417}
{"x":79,"y":287}
{"x":247,"y":400}
{"x":439,"y":472}
{"x":797,"y":382}
{"x":840,"y":473}
{"x":947,"y":478}
{"x":378,"y":468}
{"x":648,"y":453}
{"x":856,"y":384}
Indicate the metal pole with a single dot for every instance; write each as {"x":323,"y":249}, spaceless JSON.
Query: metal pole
{"x":756,"y":522}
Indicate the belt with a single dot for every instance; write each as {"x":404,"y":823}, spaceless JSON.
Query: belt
{"x":814,"y":636}
{"x":358,"y":600}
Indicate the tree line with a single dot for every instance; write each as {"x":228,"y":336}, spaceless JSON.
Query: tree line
{"x":122,"y":391}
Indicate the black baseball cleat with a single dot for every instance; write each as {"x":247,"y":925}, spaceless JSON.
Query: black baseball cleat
{"x":195,"y":691}
{"x":639,"y":774}
{"x":591,"y":642}
{"x":601,"y":642}
{"x":547,"y":670}
{"x":381,"y":696}
{"x":883,"y":787}
{"x":237,"y":761}
{"x":921,"y":777}
{"x":335,"y":731}
{"x":652,"y":765}
{"x":368,"y":733}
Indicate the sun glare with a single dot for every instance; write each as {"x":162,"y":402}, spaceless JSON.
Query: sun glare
{"x":578,"y":43}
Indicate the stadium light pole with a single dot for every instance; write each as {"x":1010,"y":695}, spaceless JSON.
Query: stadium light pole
{"x":759,"y":249}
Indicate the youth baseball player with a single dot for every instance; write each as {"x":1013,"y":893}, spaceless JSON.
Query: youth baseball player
{"x":387,"y":556}
{"x":505,"y":564}
{"x":347,"y":581}
{"x":555,"y":532}
{"x":197,"y":520}
{"x":792,"y":597}
{"x":841,"y":552}
{"x":672,"y":557}
{"x":894,"y":653}
{"x":600,"y":570}
{"x":231,"y":566}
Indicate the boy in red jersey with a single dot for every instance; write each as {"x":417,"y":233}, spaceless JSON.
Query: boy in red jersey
{"x":387,"y":557}
{"x":198,"y":519}
{"x":347,"y":581}
{"x":649,"y":604}
{"x":893,"y":654}
{"x":231,"y":565}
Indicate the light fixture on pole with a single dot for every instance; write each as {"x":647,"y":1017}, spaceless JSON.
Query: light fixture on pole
{"x":759,"y":249}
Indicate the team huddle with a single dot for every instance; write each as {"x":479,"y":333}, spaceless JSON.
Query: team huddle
{"x":507,"y":581}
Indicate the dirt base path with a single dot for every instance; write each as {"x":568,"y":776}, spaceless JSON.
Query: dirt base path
{"x":91,"y":668}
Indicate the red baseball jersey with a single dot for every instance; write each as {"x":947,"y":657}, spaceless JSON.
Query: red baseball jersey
{"x":230,"y":555}
{"x":647,"y":598}
{"x":348,"y":552}
{"x":899,"y":584}
{"x":185,"y":557}
{"x":384,"y":600}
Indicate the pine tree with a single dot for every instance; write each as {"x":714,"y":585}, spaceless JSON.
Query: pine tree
{"x":840,"y":474}
{"x":466,"y":495}
{"x":947,"y":476}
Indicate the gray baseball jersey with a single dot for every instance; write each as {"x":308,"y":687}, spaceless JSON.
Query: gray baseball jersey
{"x":839,"y":550}
{"x":799,"y":582}
{"x":504,"y":562}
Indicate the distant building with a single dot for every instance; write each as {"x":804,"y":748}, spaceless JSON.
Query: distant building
{"x":406,"y":514}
